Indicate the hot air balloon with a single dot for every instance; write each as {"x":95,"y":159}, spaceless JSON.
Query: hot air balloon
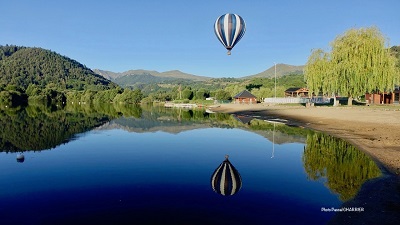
{"x":229,"y":29}
{"x":226,"y":179}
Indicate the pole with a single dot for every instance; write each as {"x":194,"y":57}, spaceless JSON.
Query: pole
{"x":273,"y":142}
{"x":275,"y":80}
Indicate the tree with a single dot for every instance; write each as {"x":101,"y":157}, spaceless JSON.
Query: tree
{"x":396,"y":53}
{"x":223,"y":95}
{"x":33,"y":90}
{"x":319,"y":76}
{"x":128,"y":96}
{"x":202,"y":94}
{"x":358,"y":63}
{"x":187,"y":94}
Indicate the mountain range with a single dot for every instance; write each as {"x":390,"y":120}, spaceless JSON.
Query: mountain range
{"x":131,"y":77}
{"x":173,"y":74}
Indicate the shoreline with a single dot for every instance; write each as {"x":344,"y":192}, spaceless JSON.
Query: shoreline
{"x":373,"y":130}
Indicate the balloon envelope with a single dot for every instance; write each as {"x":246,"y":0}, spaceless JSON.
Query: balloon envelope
{"x":226,"y":180}
{"x":229,"y":29}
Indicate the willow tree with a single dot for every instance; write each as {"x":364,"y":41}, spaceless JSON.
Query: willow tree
{"x":319,"y":76}
{"x":362,"y":63}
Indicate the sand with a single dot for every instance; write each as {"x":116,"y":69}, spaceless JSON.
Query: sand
{"x":372,"y":129}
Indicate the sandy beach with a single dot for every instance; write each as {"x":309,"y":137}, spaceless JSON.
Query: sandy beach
{"x":372,"y":129}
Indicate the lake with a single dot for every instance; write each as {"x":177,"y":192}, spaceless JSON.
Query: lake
{"x":168,"y":166}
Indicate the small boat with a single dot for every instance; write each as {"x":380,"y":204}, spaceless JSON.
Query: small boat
{"x":20,"y":158}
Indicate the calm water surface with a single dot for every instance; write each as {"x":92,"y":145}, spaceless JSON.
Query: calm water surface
{"x":124,"y":174}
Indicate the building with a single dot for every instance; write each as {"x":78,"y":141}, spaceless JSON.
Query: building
{"x":245,"y":97}
{"x":383,"y":98}
{"x":296,"y":92}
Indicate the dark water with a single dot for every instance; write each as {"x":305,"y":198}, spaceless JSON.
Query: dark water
{"x":156,"y":168}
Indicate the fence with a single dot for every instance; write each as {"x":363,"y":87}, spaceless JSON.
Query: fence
{"x":321,"y":100}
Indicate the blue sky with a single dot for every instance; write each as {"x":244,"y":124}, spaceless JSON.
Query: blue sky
{"x":178,"y":34}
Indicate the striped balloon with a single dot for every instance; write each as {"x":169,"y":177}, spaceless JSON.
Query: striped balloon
{"x":229,"y":29}
{"x":226,"y":179}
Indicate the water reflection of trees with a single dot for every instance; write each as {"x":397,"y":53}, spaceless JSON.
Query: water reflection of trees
{"x":38,"y":128}
{"x":344,"y":167}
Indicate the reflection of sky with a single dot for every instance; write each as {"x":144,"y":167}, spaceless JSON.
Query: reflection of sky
{"x":162,"y":162}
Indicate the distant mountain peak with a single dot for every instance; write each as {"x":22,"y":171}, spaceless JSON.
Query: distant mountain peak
{"x":281,"y":70}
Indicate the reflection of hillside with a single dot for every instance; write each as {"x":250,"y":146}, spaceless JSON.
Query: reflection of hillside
{"x":180,"y":120}
{"x":279,"y":137}
{"x":144,"y":126}
{"x":169,"y":120}
{"x":37,"y":129}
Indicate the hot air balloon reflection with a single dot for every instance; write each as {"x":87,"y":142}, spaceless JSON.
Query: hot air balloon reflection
{"x":229,"y":29}
{"x":226,"y":179}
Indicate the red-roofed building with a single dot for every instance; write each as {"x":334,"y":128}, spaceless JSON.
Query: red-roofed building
{"x":245,"y":97}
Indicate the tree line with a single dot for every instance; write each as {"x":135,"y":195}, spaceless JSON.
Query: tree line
{"x":223,"y":89}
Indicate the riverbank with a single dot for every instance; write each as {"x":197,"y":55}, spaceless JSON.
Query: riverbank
{"x":372,"y":129}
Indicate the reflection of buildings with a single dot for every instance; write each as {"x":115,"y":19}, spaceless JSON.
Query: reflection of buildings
{"x":243,"y":119}
{"x":226,"y":180}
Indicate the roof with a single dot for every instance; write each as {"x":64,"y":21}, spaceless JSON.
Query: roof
{"x":245,"y":94}
{"x":295,"y":89}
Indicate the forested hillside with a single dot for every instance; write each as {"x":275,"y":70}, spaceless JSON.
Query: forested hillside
{"x":36,"y":75}
{"x":22,"y":66}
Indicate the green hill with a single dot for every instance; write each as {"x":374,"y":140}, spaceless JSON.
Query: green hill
{"x":21,"y":66}
{"x":135,"y":77}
